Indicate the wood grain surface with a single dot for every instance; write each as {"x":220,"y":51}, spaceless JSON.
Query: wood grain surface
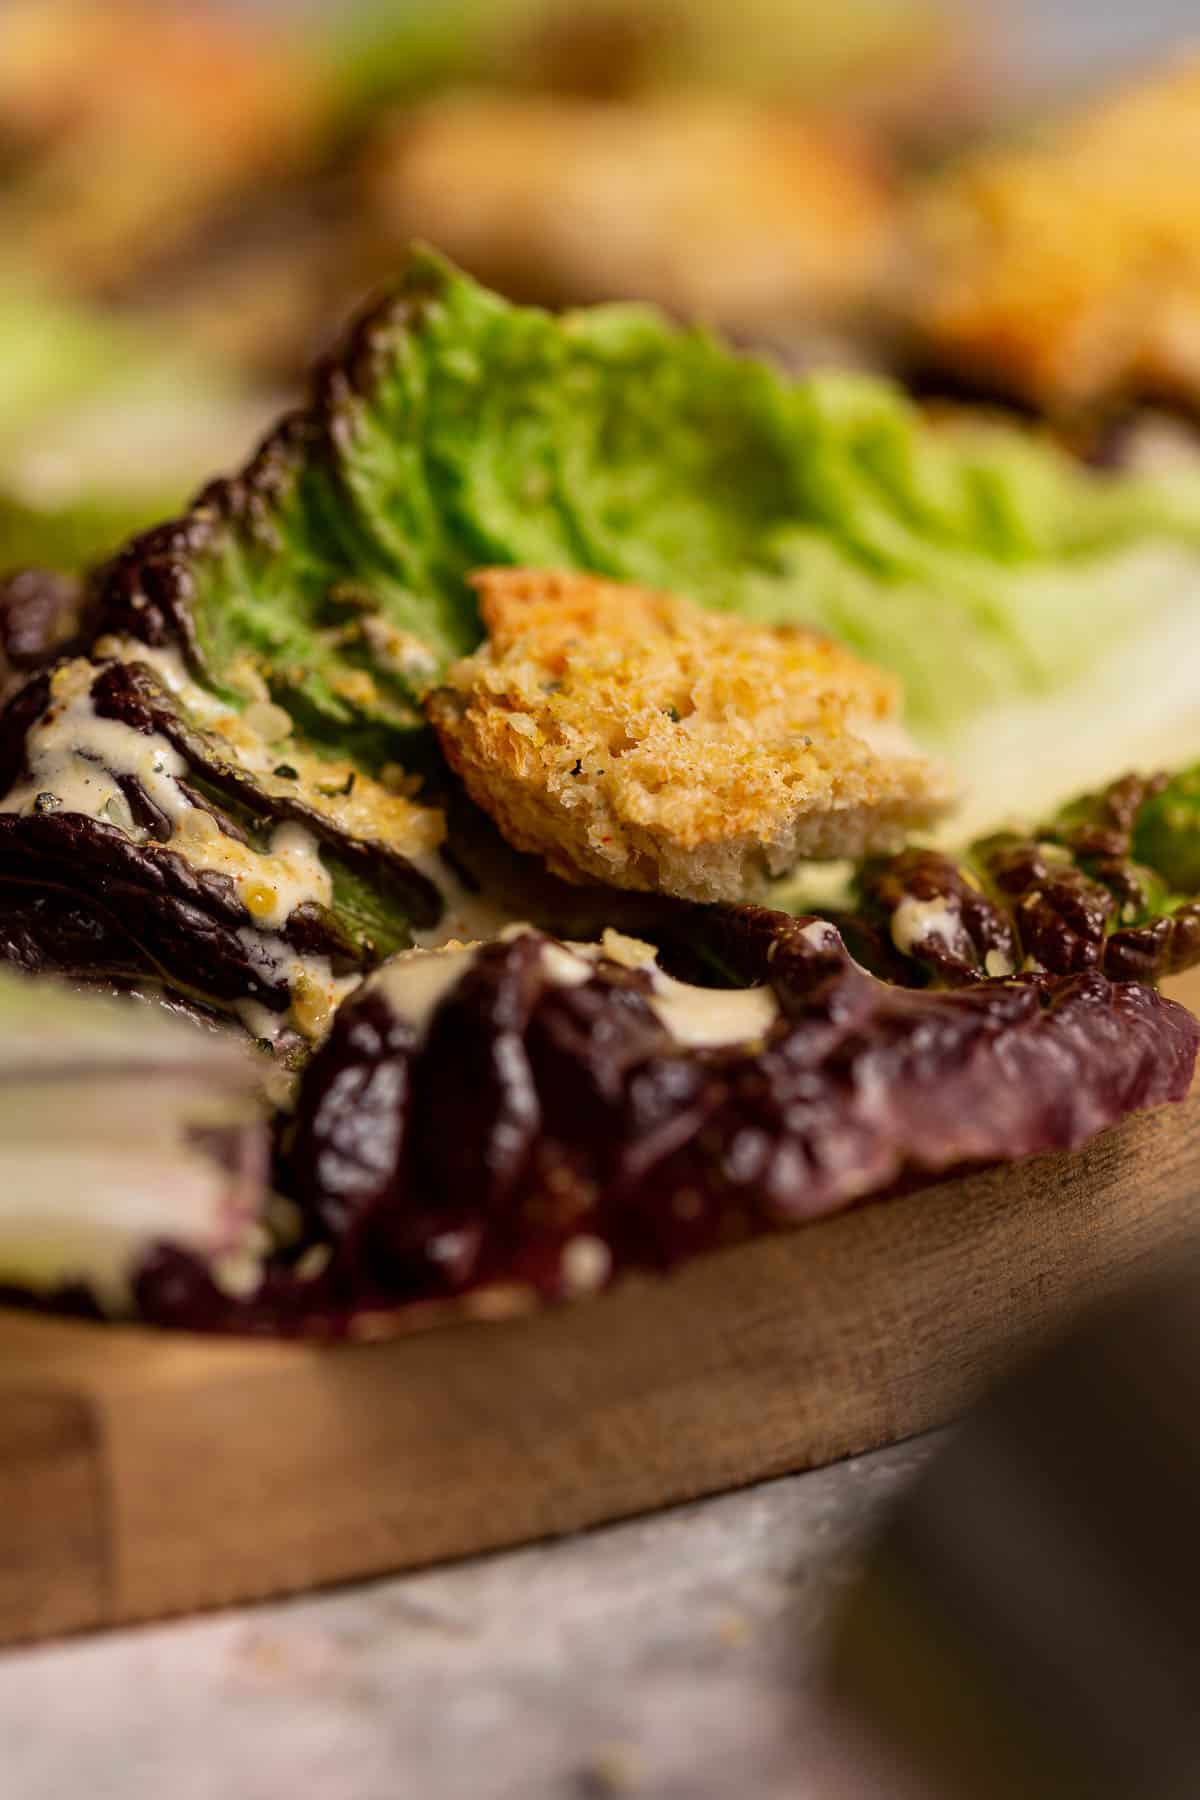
{"x":145,"y":1474}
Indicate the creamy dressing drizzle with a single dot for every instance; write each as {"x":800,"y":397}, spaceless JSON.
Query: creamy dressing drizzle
{"x":259,"y":739}
{"x":79,"y":757}
{"x":917,"y":921}
{"x":468,"y":917}
{"x":702,"y":1018}
{"x":316,"y":992}
{"x":256,"y":739}
{"x":820,"y":934}
{"x":416,"y":982}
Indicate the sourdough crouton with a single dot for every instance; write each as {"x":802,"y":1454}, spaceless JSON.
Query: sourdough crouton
{"x":632,"y":738}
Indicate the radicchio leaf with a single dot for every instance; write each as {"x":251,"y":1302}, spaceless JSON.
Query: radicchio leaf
{"x":1110,"y":884}
{"x":550,"y":1133}
{"x":102,"y":875}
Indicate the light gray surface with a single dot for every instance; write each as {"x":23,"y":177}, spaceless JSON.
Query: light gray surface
{"x":1061,"y":41}
{"x":673,"y":1658}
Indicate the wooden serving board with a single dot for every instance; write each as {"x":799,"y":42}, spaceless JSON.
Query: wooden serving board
{"x":144,"y":1474}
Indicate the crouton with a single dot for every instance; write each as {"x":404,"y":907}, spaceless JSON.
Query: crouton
{"x":631,"y":738}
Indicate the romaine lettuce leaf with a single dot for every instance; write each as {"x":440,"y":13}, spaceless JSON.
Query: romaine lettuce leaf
{"x":983,"y":565}
{"x":1166,"y":832}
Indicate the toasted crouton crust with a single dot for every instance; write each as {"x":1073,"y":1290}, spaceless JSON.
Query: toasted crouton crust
{"x":629,"y":737}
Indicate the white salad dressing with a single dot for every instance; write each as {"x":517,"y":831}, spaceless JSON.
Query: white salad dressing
{"x":702,"y":1018}
{"x":820,"y":934}
{"x":916,"y":921}
{"x":168,"y":664}
{"x":316,"y":992}
{"x":415,"y":831}
{"x":259,"y":739}
{"x":79,"y":758}
{"x":467,"y":917}
{"x":418,"y":980}
{"x":706,"y":1018}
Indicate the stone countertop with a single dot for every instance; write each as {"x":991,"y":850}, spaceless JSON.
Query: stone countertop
{"x":671,"y":1658}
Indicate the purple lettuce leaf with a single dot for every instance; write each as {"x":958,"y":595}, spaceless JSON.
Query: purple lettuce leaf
{"x":1109,"y":884}
{"x":550,"y":1135}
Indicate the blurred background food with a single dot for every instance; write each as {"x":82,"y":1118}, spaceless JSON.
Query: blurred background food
{"x":752,"y":216}
{"x":242,"y":170}
{"x":884,"y":59}
{"x":1062,"y":269}
{"x":126,"y":124}
{"x":194,"y":197}
{"x":106,"y":425}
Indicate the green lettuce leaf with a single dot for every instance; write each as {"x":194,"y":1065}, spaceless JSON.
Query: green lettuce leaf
{"x":1167,"y":835}
{"x":457,"y":430}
